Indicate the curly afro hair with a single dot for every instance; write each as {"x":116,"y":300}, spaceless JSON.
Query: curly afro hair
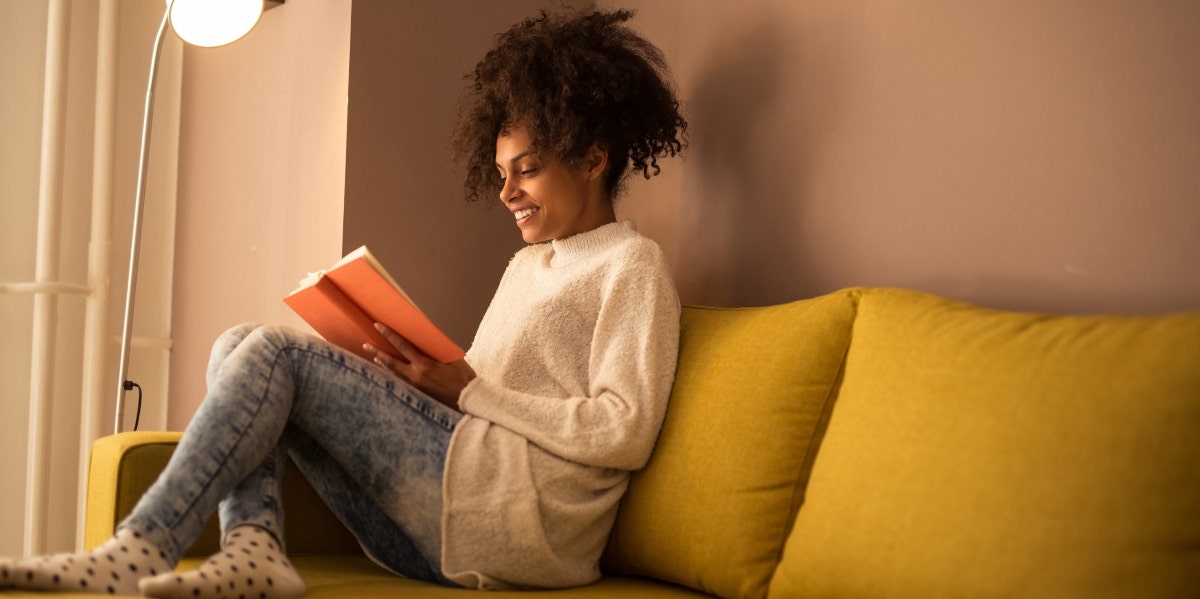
{"x":573,"y":81}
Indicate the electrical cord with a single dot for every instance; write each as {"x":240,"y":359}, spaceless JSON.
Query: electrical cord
{"x":128,"y":385}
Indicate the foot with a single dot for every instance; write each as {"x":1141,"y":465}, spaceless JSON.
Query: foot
{"x":113,"y":568}
{"x":250,"y":564}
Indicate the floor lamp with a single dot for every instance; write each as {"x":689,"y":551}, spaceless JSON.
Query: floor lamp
{"x":205,"y":23}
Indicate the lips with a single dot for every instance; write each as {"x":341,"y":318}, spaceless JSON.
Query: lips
{"x":525,"y":212}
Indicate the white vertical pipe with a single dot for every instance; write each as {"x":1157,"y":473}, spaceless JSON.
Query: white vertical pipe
{"x":45,"y":305}
{"x":95,"y":335}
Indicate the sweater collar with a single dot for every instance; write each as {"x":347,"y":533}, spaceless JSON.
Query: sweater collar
{"x":569,"y":249}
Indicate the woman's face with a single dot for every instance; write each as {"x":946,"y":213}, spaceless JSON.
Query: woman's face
{"x":549,"y":199}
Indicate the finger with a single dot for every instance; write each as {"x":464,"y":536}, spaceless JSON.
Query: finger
{"x":387,"y":363}
{"x":408,"y":352}
{"x":384,"y":330}
{"x":392,"y":336}
{"x":374,"y":354}
{"x":383,"y":359}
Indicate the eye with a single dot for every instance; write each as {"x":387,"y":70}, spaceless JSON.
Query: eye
{"x":529,"y":172}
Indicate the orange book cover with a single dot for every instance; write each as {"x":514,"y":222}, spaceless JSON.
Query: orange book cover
{"x":343,"y":303}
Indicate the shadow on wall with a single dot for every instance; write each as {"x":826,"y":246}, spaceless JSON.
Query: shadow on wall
{"x":751,"y":150}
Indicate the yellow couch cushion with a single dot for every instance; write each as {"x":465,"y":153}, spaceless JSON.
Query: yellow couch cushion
{"x":344,"y":576}
{"x":711,"y":509}
{"x":979,"y":453}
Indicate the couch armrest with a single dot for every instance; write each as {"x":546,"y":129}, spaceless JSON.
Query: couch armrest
{"x":124,"y":465}
{"x":121,"y":468}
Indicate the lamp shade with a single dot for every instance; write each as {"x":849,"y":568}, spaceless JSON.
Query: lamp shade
{"x":210,"y":23}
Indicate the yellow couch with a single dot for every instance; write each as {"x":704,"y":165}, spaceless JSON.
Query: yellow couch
{"x":867,"y":443}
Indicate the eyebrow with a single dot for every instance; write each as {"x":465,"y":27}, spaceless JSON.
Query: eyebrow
{"x":517,"y":157}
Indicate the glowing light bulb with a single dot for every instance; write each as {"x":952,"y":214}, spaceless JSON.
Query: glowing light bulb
{"x":211,"y":23}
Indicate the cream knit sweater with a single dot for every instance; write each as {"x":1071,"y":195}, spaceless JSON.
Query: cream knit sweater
{"x":576,"y":357}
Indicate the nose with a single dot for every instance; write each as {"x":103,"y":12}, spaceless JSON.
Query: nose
{"x":509,"y":190}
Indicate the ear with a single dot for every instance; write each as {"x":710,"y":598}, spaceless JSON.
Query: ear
{"x":595,"y":161}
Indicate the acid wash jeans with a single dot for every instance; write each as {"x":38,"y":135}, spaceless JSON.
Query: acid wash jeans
{"x":371,"y":445}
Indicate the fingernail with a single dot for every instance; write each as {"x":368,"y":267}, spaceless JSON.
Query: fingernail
{"x":379,"y":327}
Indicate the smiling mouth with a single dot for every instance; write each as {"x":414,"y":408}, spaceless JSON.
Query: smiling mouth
{"x":525,"y":212}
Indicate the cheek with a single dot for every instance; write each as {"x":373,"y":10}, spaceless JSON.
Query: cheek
{"x":566,"y":194}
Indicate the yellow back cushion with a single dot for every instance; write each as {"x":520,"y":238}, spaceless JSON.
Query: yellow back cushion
{"x":979,"y":453}
{"x":712,"y":508}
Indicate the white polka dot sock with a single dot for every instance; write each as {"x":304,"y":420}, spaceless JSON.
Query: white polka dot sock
{"x":250,"y":565}
{"x":113,"y":568}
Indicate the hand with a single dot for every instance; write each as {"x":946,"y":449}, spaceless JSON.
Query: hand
{"x":443,"y":382}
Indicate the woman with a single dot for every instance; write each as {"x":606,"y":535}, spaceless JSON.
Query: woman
{"x":502,"y":470}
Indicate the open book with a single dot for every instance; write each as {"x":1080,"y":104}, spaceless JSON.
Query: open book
{"x":344,"y":302}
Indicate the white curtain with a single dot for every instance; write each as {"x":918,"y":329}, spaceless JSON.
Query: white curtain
{"x":75,"y":76}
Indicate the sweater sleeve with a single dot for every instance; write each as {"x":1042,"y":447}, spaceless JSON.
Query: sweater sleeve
{"x":630,"y":369}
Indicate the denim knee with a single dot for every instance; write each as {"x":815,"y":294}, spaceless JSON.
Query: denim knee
{"x":224,"y":345}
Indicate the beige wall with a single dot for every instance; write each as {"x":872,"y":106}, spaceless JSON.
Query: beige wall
{"x":1019,"y":154}
{"x":261,"y":176}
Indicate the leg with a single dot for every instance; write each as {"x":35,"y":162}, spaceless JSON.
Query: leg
{"x":252,"y":561}
{"x":373,"y":447}
{"x":256,"y":375}
{"x":379,"y":534}
{"x":222,"y":347}
{"x":366,"y":440}
{"x":262,"y":486}
{"x":118,"y":564}
{"x":235,"y":432}
{"x":391,"y":441}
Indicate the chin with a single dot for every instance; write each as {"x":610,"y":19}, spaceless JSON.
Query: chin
{"x":532,"y":237}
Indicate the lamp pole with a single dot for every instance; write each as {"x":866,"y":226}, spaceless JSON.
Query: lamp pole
{"x":138,"y":208}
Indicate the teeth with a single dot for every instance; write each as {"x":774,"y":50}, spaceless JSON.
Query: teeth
{"x":524,"y":212}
